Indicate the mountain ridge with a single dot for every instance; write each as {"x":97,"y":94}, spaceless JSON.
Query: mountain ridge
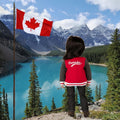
{"x":100,"y":35}
{"x":6,"y":50}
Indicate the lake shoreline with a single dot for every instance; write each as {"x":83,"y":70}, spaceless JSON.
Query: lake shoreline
{"x":98,"y":64}
{"x":7,"y":70}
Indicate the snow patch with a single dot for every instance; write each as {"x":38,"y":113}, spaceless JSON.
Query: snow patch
{"x":37,"y":38}
{"x":98,"y":44}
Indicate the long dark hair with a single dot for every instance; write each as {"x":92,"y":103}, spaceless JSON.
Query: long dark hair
{"x":74,"y":47}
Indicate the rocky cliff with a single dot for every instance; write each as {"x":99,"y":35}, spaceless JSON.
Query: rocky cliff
{"x":6,"y":50}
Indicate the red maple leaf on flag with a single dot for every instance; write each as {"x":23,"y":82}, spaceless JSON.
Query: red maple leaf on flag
{"x":32,"y":24}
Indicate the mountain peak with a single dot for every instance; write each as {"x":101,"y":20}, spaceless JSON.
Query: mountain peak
{"x":83,"y":27}
{"x":101,"y":28}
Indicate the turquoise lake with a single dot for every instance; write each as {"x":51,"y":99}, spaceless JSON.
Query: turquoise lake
{"x":48,"y":69}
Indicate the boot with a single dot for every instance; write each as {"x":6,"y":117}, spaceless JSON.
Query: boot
{"x":86,"y":113}
{"x":71,"y":113}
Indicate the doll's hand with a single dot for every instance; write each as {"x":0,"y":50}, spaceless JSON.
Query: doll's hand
{"x":62,"y":86}
{"x":88,"y":84}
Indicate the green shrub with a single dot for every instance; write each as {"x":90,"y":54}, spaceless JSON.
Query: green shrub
{"x":104,"y":115}
{"x":114,"y":116}
{"x":97,"y":114}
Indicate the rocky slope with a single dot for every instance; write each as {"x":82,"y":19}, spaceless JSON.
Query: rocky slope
{"x":6,"y":50}
{"x":59,"y":116}
{"x":64,"y":116}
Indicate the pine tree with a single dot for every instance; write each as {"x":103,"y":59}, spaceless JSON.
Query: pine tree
{"x":89,"y":94}
{"x":99,"y":92}
{"x":4,"y":102}
{"x":35,"y":104}
{"x":6,"y":108}
{"x":4,"y":112}
{"x":27,"y":111}
{"x":112,"y":98}
{"x":65,"y":101}
{"x":38,"y":106}
{"x":53,"y":106}
{"x":76,"y":96}
{"x":1,"y":107}
{"x":96,"y":94}
{"x":45,"y":110}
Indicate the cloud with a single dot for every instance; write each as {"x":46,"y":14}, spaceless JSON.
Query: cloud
{"x":93,"y":84}
{"x":9,"y":6}
{"x":65,"y":24}
{"x":45,"y":14}
{"x":25,"y":2}
{"x":42,"y":58}
{"x":31,"y":8}
{"x":47,"y":85}
{"x":51,"y":10}
{"x":32,"y":11}
{"x":112,"y":5}
{"x":38,"y":71}
{"x":65,"y":13}
{"x":46,"y":89}
{"x":114,"y":26}
{"x":69,"y":23}
{"x":111,"y":26}
{"x":56,"y":84}
{"x":81,"y":19}
{"x":118,"y":25}
{"x":25,"y":94}
{"x":92,"y":23}
{"x":3,"y":11}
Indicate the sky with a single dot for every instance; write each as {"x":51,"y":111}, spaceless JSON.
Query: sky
{"x":69,"y":13}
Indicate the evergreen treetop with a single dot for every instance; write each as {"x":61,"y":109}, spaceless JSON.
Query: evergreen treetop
{"x":65,"y":101}
{"x":112,"y":97}
{"x":53,"y":106}
{"x":34,"y":103}
{"x":27,"y":112}
{"x":4,"y":112}
{"x":45,"y":110}
{"x":98,"y":92}
{"x":88,"y":94}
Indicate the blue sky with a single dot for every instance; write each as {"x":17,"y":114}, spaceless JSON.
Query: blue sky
{"x":69,"y":13}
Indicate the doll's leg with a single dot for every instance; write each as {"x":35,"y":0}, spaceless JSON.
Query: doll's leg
{"x":71,"y":100}
{"x":83,"y":100}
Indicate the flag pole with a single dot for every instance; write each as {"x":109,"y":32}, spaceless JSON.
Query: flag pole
{"x":14,"y":61}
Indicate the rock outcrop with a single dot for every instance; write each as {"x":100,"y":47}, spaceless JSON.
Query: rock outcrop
{"x":96,"y":106}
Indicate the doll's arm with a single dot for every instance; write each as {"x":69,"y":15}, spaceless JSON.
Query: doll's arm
{"x":88,"y":72}
{"x":62,"y":74}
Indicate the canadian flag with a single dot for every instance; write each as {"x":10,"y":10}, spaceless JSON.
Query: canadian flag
{"x":33,"y":24}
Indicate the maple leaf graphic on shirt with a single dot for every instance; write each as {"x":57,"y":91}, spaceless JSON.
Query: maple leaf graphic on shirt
{"x":32,"y":24}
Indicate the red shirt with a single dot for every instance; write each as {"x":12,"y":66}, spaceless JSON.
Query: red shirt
{"x":75,"y":74}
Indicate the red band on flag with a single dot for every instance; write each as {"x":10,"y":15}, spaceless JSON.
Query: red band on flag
{"x":19,"y":19}
{"x":46,"y":28}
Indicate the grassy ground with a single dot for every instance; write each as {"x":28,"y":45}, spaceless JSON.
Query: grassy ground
{"x":104,"y":115}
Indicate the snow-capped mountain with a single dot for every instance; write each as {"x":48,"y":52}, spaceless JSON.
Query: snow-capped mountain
{"x":101,"y":35}
{"x":98,"y":36}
